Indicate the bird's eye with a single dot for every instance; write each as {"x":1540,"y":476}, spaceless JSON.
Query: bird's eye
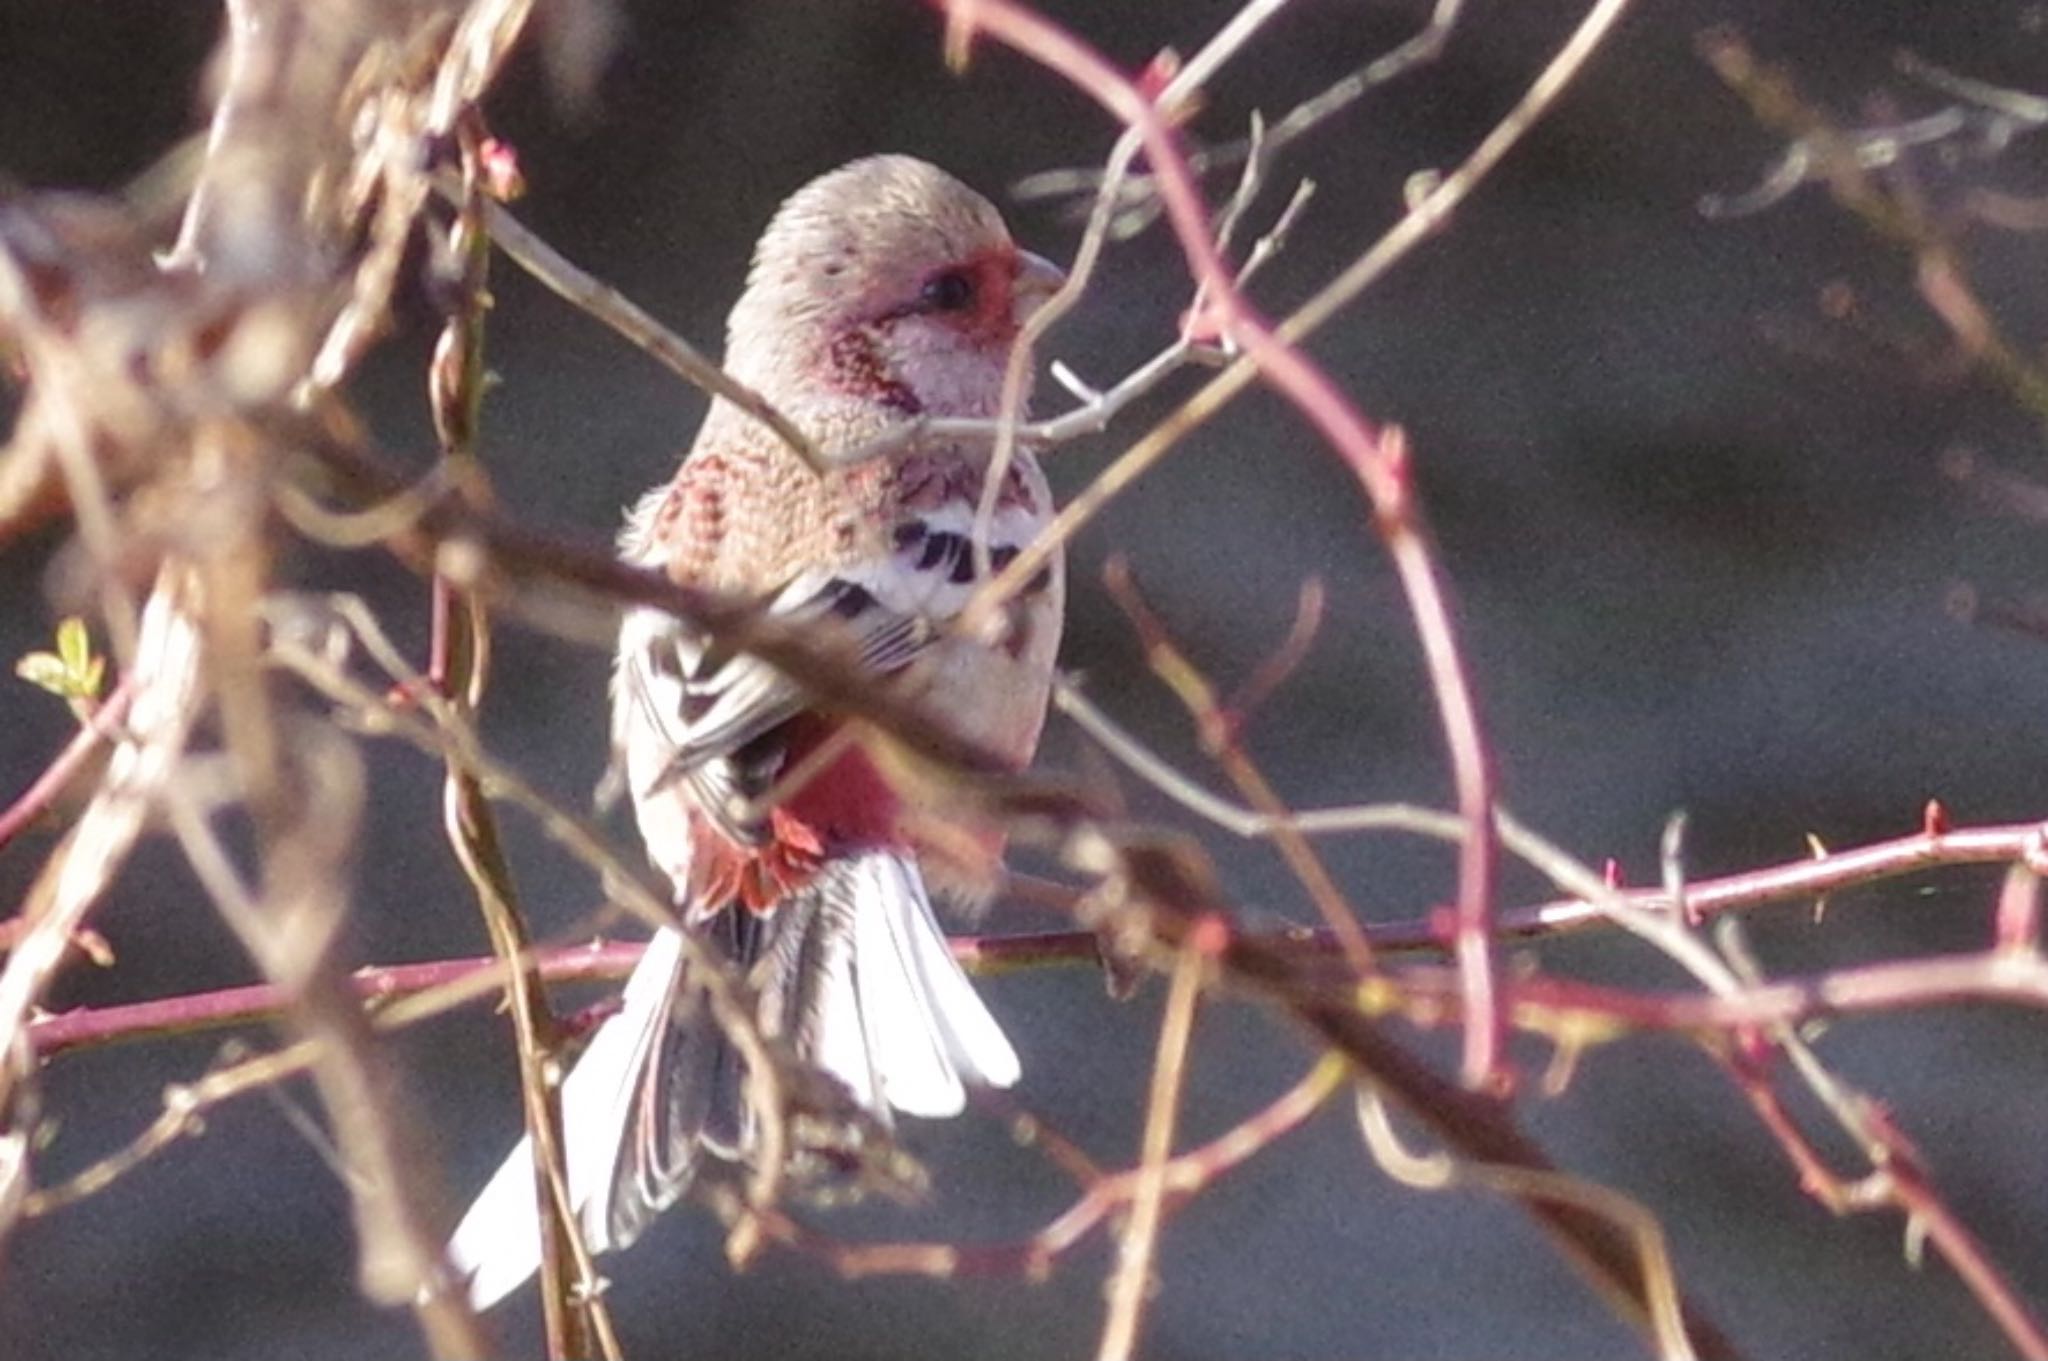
{"x":952,"y":291}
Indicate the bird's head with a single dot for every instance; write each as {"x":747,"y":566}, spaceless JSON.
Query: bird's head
{"x":888,"y":281}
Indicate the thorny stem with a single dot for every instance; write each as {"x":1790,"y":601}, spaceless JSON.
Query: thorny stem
{"x":1898,"y":1177}
{"x":1898,"y":1180}
{"x":185,"y":1102}
{"x":1379,"y":462}
{"x":1873,"y":987}
{"x":1540,"y":1004}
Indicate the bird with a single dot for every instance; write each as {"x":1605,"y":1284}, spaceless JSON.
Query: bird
{"x":880,"y":293}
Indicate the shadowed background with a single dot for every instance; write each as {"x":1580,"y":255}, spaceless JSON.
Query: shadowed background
{"x":1701,"y":544}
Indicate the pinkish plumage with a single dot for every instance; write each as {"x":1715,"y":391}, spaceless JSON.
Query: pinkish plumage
{"x":881,"y":291}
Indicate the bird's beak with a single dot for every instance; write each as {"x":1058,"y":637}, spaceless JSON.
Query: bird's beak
{"x":1037,"y":279}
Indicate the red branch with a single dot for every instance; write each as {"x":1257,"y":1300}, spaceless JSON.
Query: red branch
{"x":104,"y":723}
{"x":53,"y":1034}
{"x":1884,"y":986}
{"x":1378,"y":457}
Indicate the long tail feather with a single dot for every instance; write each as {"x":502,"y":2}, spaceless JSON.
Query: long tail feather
{"x":852,"y":972}
{"x":498,"y":1242}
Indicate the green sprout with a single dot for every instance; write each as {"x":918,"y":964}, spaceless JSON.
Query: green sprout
{"x":72,"y":672}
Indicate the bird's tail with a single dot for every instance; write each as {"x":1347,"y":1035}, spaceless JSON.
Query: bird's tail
{"x":852,"y":974}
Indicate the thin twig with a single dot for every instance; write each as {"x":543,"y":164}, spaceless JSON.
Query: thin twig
{"x":1185,"y":1175}
{"x":606,"y":304}
{"x":1266,"y":144}
{"x":1436,"y":1173}
{"x":1219,"y":735}
{"x":1844,"y":162}
{"x":1131,"y":1283}
{"x":34,"y":801}
{"x":1377,"y":457}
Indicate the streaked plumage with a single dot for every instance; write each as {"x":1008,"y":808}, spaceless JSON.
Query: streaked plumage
{"x":880,"y":292}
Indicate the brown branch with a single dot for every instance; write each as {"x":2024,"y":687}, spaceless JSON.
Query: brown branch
{"x":1474,"y":1126}
{"x":1131,"y":1284}
{"x":1822,"y":151}
{"x":1184,"y":1176}
{"x":1219,"y":735}
{"x":600,"y":300}
{"x":1438,"y":1172}
{"x":575,"y":1320}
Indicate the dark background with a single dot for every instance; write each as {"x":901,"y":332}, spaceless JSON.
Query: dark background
{"x":1701,"y":543}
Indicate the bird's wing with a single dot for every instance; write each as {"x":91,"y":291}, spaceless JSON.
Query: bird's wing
{"x":715,"y":714}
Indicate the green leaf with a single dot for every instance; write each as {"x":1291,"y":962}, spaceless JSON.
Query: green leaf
{"x":72,"y":672}
{"x":45,"y":670}
{"x":74,"y":645}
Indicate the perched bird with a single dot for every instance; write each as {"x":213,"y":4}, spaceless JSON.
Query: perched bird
{"x":883,"y":291}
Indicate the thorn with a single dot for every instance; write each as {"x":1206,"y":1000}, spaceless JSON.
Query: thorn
{"x":1915,"y":1245}
{"x":743,"y":1244}
{"x":2019,"y":911}
{"x":1563,"y":1066}
{"x":1819,"y":851}
{"x":1443,"y":925}
{"x":1611,"y":874}
{"x":1934,"y":819}
{"x":93,"y":946}
{"x":1671,"y":864}
{"x":1211,"y":936}
{"x":503,"y":179}
{"x":1502,"y":1083}
{"x":1121,"y":973}
{"x":1158,"y":73}
{"x":1398,"y":459}
{"x":960,"y":34}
